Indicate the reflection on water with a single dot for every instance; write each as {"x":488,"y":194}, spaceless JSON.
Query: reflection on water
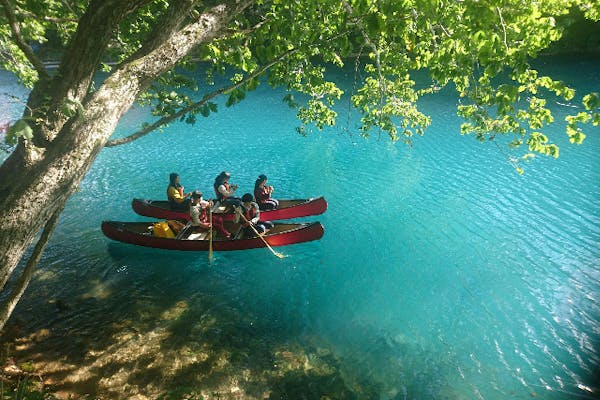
{"x":442,"y":274}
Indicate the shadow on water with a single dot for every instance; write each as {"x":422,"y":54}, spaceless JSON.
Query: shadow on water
{"x":156,"y":332}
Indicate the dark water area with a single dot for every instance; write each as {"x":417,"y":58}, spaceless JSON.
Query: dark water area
{"x":442,"y":274}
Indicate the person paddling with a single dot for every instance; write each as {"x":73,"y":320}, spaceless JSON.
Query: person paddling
{"x":199,"y":215}
{"x":251,"y":213}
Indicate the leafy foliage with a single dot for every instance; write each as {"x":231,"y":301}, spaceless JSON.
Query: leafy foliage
{"x":482,"y":49}
{"x":38,"y":21}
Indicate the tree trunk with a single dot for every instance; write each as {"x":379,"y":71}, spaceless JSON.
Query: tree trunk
{"x":31,"y":192}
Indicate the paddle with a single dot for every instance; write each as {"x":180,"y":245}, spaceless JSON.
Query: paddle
{"x":278,"y":255}
{"x":210,"y":235}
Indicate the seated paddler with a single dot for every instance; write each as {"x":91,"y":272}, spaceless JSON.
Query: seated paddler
{"x":178,"y":200}
{"x":199,"y":215}
{"x":248,"y":215}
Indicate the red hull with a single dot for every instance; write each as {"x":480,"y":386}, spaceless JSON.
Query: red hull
{"x":283,"y":234}
{"x":289,"y":209}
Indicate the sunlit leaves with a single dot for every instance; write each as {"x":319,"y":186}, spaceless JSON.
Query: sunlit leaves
{"x":591,"y":8}
{"x":575,"y":133}
{"x":591,"y":101}
{"x":480,"y":49}
{"x":318,"y":113}
{"x":13,"y":59}
{"x":538,"y":142}
{"x":37,"y":21}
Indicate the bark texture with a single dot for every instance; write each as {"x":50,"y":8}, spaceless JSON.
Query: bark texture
{"x":39,"y":176}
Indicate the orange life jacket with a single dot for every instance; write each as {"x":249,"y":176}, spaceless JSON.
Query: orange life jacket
{"x":249,"y":214}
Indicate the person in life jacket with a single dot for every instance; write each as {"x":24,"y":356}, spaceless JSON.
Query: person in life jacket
{"x":262,"y":194}
{"x":224,"y":191}
{"x":199,"y":215}
{"x":178,"y":200}
{"x":249,"y":209}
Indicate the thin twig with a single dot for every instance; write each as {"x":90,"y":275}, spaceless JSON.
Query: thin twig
{"x":373,"y":47}
{"x":382,"y":83}
{"x":503,"y":27}
{"x":67,"y":5}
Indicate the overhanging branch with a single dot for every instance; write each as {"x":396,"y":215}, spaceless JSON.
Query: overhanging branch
{"x":169,"y":23}
{"x":373,"y":46}
{"x":193,"y":107}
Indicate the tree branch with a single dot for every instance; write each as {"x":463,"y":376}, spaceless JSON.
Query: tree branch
{"x":21,"y":285}
{"x":129,"y":79}
{"x":193,"y":107}
{"x":93,"y":34}
{"x":54,"y":20}
{"x":20,"y":42}
{"x":67,"y":5}
{"x":168,"y":23}
{"x":79,"y":64}
{"x":503,"y":24}
{"x":373,"y":47}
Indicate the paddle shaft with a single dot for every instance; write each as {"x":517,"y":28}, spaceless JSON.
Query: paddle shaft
{"x":210,"y":235}
{"x":279,"y":255}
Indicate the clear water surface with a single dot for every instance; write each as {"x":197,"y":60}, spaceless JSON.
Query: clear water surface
{"x":442,"y":273}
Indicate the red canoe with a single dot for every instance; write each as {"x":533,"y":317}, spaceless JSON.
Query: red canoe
{"x":282,"y":234}
{"x":288,"y":209}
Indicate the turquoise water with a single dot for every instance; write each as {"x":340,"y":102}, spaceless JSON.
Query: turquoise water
{"x":442,"y":273}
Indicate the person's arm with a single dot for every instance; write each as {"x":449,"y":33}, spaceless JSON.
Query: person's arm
{"x":205,"y":225}
{"x":224,"y":191}
{"x":239,"y":218}
{"x":257,"y":210}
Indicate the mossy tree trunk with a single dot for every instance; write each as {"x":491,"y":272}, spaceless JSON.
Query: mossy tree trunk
{"x":41,"y":174}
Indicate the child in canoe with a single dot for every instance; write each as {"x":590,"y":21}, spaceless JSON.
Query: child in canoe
{"x":248,"y":215}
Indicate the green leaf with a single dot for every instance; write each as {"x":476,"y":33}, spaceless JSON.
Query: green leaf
{"x":205,"y":110}
{"x":591,"y":101}
{"x":20,"y":129}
